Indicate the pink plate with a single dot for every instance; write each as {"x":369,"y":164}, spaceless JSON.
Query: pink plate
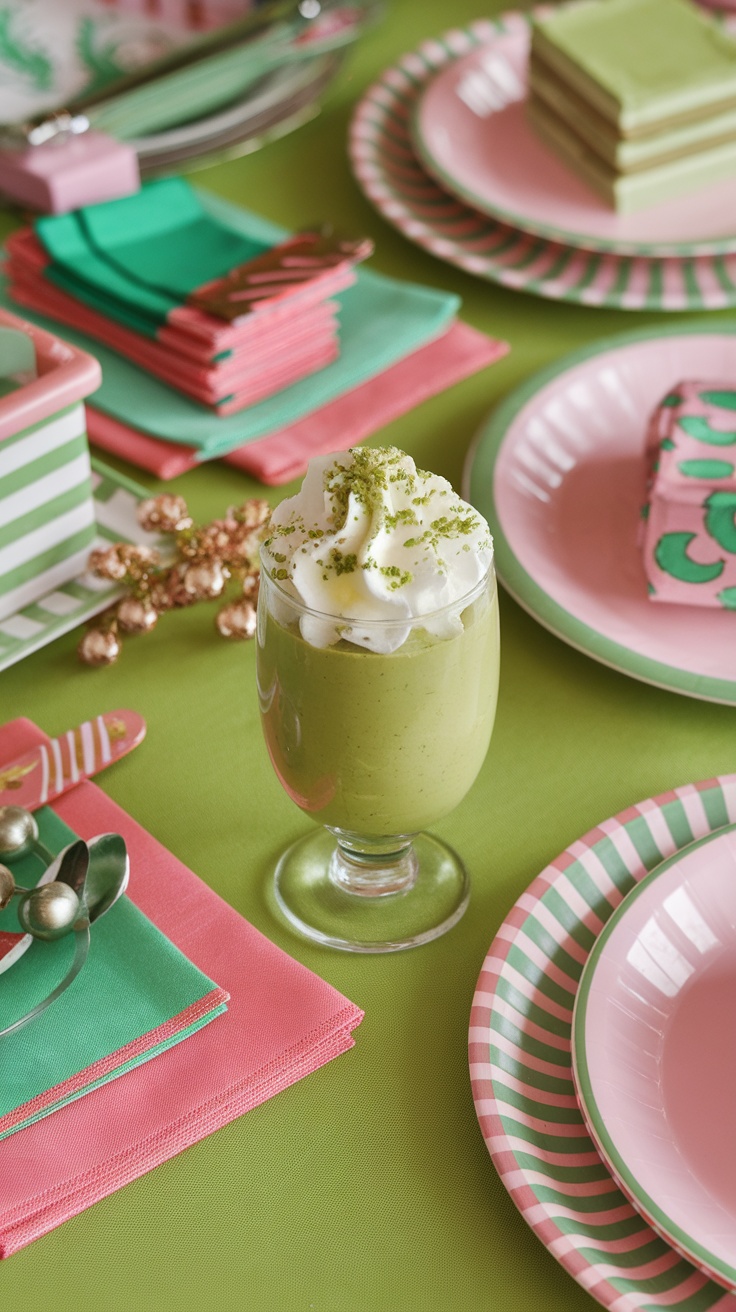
{"x":471,"y":134}
{"x":559,"y":472}
{"x":654,"y":1050}
{"x":519,"y":1048}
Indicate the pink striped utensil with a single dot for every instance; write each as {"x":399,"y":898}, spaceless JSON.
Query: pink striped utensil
{"x":50,"y":769}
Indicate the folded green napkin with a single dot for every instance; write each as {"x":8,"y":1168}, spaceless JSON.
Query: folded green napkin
{"x":382,"y":320}
{"x":136,"y":996}
{"x":137,"y":258}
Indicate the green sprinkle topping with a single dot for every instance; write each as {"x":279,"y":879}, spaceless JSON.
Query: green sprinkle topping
{"x":397,"y":577}
{"x":401,"y":517}
{"x":343,"y":564}
{"x":360,"y":490}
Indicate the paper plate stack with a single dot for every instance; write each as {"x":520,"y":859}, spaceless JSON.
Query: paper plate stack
{"x":443,"y":148}
{"x":242,"y":90}
{"x":566,"y":1092}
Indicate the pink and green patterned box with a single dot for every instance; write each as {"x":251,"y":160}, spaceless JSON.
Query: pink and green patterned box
{"x":689,"y":534}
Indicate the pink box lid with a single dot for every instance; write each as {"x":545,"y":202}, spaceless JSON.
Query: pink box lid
{"x":65,"y":375}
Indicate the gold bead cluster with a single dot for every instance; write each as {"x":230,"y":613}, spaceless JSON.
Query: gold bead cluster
{"x":205,"y":560}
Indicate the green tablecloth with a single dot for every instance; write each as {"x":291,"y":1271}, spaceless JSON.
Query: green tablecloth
{"x":367,"y":1185}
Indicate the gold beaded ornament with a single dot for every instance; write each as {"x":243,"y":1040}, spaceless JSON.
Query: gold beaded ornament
{"x":206,"y":560}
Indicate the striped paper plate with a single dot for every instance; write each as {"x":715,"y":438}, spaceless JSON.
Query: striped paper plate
{"x":651,"y":1060}
{"x":471,"y":132}
{"x":392,"y":178}
{"x":520,"y":1063}
{"x":116,"y":499}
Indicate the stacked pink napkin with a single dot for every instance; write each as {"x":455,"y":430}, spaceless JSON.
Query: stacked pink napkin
{"x":336,"y":426}
{"x":224,"y":319}
{"x":282,"y":1023}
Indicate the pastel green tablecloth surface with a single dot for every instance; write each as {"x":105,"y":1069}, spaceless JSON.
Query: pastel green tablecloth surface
{"x":367,"y":1186}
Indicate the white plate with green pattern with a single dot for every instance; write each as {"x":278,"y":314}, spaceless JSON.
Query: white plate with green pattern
{"x":393,"y":179}
{"x":519,"y":1048}
{"x":559,"y":472}
{"x":116,"y":499}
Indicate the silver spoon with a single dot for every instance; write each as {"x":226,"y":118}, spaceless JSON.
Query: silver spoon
{"x":107,"y":876}
{"x":52,"y":908}
{"x":106,"y":873}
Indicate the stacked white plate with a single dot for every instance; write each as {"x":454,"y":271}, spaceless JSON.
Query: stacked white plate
{"x":227,"y":103}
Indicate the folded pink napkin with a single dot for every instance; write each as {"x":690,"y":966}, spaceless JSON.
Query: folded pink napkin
{"x":282,"y":1023}
{"x":339,"y":424}
{"x":227,"y":386}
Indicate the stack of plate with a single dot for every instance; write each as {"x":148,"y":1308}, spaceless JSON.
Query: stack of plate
{"x":623,"y":952}
{"x":442,"y":148}
{"x":229,"y":101}
{"x":278,"y":103}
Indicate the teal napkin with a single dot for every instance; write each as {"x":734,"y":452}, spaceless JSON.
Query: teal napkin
{"x":135,"y":259}
{"x":136,"y":996}
{"x":382,"y":320}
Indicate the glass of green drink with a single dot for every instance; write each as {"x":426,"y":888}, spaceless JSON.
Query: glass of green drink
{"x":377,"y":719}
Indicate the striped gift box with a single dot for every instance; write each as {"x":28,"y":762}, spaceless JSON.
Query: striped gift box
{"x":47,"y":515}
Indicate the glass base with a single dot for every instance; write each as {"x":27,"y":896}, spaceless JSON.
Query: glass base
{"x":360,"y":902}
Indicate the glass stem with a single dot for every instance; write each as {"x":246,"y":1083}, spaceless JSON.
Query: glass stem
{"x":373,"y":867}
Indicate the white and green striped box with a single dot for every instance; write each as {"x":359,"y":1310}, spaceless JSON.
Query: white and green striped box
{"x":47,"y":514}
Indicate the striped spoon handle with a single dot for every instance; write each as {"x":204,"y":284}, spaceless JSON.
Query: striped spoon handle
{"x":50,"y":769}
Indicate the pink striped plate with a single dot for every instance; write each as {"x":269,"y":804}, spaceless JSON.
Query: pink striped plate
{"x":387,"y":170}
{"x":520,"y":1057}
{"x":653,"y":1058}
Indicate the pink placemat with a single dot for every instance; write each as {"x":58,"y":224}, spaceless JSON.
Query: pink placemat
{"x":282,"y":1023}
{"x":342,"y":423}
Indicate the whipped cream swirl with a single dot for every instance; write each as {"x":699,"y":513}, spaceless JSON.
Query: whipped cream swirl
{"x":371,"y":537}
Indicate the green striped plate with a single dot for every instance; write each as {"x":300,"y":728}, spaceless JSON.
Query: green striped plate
{"x":387,"y":170}
{"x":520,"y":1062}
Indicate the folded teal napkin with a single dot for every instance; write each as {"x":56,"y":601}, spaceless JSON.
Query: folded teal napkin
{"x":137,"y":258}
{"x":382,"y":320}
{"x":136,"y":996}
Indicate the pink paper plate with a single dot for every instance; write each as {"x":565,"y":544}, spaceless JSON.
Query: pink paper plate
{"x":388,"y":171}
{"x":559,"y":473}
{"x":654,"y":1050}
{"x":470,"y":132}
{"x":519,"y":1048}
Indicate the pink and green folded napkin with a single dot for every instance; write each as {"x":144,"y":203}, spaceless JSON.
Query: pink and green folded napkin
{"x":220,"y":315}
{"x":281,"y":1023}
{"x":382,"y":322}
{"x":339,"y":424}
{"x":136,"y":996}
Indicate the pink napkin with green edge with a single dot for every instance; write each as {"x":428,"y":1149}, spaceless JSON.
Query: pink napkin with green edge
{"x":282,"y":1023}
{"x":336,"y":426}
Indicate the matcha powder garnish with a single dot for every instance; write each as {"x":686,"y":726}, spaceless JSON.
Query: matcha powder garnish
{"x":369,"y":532}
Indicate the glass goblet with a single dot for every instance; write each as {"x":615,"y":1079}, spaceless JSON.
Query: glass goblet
{"x":376,"y":729}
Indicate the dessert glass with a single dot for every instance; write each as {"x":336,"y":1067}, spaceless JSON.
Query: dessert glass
{"x":375,"y":747}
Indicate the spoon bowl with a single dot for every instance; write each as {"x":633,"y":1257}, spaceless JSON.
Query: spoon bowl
{"x":107,"y":875}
